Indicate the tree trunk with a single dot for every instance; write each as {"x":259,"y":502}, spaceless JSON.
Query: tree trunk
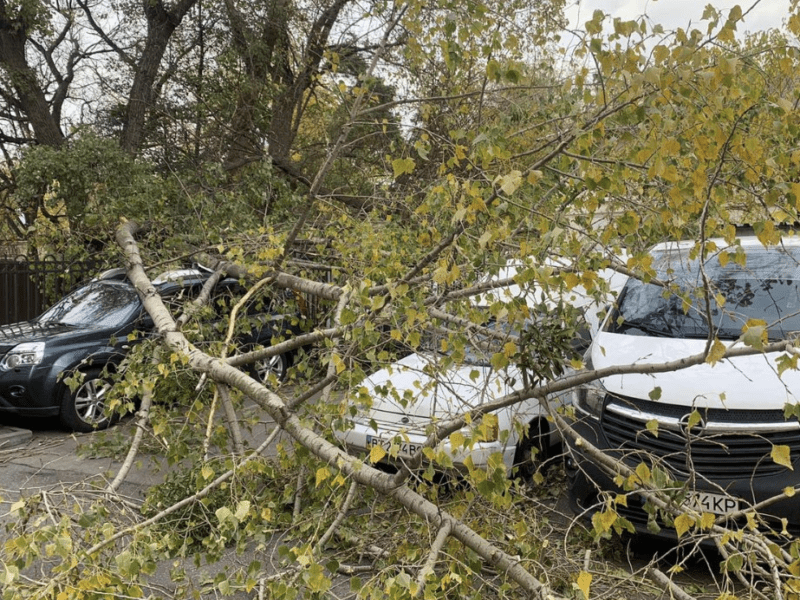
{"x":32,"y":100}
{"x":161,"y":24}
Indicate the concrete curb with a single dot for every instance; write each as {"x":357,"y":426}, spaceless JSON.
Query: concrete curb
{"x":14,"y":436}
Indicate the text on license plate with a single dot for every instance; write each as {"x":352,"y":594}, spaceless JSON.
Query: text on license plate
{"x":406,"y":449}
{"x":718,"y":504}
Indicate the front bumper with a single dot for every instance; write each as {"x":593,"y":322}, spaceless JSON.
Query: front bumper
{"x":403,"y":445}
{"x":589,"y":486}
{"x":30,"y":391}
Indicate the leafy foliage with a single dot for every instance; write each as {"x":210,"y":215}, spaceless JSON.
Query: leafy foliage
{"x":413,"y":164}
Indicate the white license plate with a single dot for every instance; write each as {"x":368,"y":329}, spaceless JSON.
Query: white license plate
{"x":718,"y":504}
{"x":406,"y":449}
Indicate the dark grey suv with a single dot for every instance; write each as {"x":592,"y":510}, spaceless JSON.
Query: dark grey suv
{"x":87,"y":333}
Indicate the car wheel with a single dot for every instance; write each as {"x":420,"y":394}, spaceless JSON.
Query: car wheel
{"x":83,"y":409}
{"x":529,"y":455}
{"x":274,"y":365}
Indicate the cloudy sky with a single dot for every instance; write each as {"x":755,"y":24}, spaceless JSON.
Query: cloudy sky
{"x":679,"y":13}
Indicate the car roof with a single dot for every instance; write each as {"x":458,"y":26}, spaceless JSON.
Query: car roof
{"x":578,"y":296}
{"x":745,"y":241}
{"x":167,"y":283}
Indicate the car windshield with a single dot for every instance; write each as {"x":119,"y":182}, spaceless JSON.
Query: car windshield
{"x":99,"y":304}
{"x":765,"y":287}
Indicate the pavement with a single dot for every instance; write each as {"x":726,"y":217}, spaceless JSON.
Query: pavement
{"x":48,"y":458}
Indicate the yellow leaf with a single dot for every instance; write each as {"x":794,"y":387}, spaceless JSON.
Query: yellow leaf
{"x":534,"y":177}
{"x":643,"y":471}
{"x":707,"y":521}
{"x":323,"y":474}
{"x":755,"y":335}
{"x":511,"y":182}
{"x":605,"y":520}
{"x":789,"y":492}
{"x":403,"y":165}
{"x":716,"y":353}
{"x":338,"y":363}
{"x":683,"y":523}
{"x":377,"y":454}
{"x":242,"y":510}
{"x":584,"y":582}
{"x":781,"y":455}
{"x":456,"y":440}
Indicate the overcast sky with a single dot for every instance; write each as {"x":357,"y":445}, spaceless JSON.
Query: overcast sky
{"x":678,"y":13}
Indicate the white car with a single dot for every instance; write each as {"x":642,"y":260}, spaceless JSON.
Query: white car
{"x":411,"y":396}
{"x":727,"y":429}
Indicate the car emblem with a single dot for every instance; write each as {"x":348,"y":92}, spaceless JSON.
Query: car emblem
{"x":695,"y":430}
{"x":405,"y":420}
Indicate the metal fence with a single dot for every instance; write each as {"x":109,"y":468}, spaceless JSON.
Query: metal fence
{"x":28,"y":287}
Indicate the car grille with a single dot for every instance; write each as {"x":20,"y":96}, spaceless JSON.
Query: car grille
{"x":730,"y":444}
{"x":397,"y":421}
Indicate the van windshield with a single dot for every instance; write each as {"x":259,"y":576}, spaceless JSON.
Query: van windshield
{"x":765,"y":287}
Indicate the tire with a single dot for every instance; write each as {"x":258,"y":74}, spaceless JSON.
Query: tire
{"x":83,"y":409}
{"x":274,"y":365}
{"x":530,"y":454}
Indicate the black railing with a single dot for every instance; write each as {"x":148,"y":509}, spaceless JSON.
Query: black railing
{"x":28,"y":287}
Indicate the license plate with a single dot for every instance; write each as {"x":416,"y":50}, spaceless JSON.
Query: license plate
{"x":718,"y":504}
{"x":405,"y":449}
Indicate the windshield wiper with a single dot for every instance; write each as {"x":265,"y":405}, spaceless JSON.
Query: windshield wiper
{"x":647,"y":328}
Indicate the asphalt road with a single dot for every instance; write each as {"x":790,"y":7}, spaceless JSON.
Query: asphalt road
{"x":47,"y":458}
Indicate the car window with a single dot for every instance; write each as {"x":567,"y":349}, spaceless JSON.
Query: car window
{"x":765,"y":287}
{"x":100,"y":304}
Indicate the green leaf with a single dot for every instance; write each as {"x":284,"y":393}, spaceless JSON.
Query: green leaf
{"x":316,"y":580}
{"x":755,"y":336}
{"x":224,"y":514}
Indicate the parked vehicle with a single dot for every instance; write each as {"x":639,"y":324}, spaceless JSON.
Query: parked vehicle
{"x":410,"y":396}
{"x":711,"y":428}
{"x":87,"y":332}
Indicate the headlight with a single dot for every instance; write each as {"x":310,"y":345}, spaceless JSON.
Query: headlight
{"x":590,"y":399}
{"x":23,"y":355}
